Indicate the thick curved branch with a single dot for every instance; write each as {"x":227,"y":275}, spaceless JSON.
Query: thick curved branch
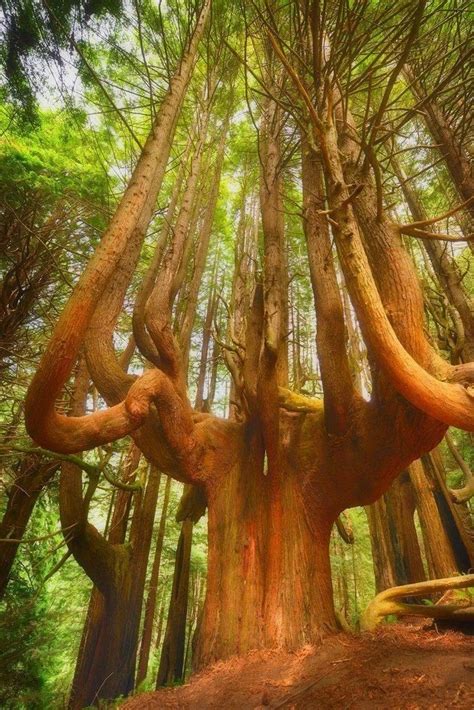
{"x":107,"y":373}
{"x":446,"y":401}
{"x":386,"y":602}
{"x":158,"y":311}
{"x":45,"y":425}
{"x":144,"y":342}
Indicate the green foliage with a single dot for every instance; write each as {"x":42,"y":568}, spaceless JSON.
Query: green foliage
{"x":352,"y":568}
{"x":40,"y":623}
{"x":33,"y":34}
{"x":55,"y":161}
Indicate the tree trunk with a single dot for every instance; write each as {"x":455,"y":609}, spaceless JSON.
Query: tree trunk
{"x":172,"y":655}
{"x":29,"y":481}
{"x":439,"y":553}
{"x":152,"y":591}
{"x":106,"y":666}
{"x":235,"y":618}
{"x":395,"y":548}
{"x":449,"y":512}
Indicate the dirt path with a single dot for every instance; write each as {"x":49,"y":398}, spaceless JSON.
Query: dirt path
{"x":399,"y":667}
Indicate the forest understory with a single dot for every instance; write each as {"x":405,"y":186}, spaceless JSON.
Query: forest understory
{"x":404,"y":667}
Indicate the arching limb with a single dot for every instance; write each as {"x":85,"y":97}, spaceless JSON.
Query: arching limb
{"x":386,"y":602}
{"x":45,"y":425}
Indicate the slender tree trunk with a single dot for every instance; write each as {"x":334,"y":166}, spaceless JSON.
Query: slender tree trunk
{"x":450,"y":514}
{"x":172,"y":655}
{"x":31,"y":477}
{"x":382,"y":555}
{"x":159,"y":628}
{"x":152,"y":591}
{"x":395,"y":548}
{"x":457,"y":160}
{"x":439,"y":553}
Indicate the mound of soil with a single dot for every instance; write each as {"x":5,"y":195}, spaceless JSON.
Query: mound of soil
{"x":399,"y":666}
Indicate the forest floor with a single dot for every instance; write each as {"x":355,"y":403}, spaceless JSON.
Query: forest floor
{"x":400,"y":666}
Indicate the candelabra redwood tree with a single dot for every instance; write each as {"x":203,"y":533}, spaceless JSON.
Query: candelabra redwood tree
{"x":278,"y":473}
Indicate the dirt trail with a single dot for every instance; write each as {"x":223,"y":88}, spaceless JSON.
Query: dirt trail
{"x":397,"y":667}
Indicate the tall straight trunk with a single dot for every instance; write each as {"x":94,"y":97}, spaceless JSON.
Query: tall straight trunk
{"x":30,"y":479}
{"x":395,"y":548}
{"x":187,"y":323}
{"x":171,"y":667}
{"x":159,"y":627}
{"x":193,"y":614}
{"x":445,"y":267}
{"x":206,"y":339}
{"x":152,"y":591}
{"x":439,"y":552}
{"x":450,"y":513}
{"x":382,"y":555}
{"x":457,"y":160}
{"x":331,"y":331}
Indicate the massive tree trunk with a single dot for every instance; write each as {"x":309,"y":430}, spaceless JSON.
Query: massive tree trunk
{"x":235,"y":618}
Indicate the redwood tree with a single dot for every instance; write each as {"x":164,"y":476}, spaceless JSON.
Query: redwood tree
{"x":276,"y":476}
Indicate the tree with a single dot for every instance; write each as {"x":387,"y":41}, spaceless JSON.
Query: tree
{"x":40,"y":31}
{"x":277,"y":476}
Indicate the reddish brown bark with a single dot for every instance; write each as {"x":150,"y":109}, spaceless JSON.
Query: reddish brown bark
{"x":236,"y":616}
{"x":106,"y":664}
{"x":31,"y":476}
{"x":152,"y":591}
{"x":132,"y":217}
{"x":455,"y":155}
{"x":331,"y":333}
{"x":276,"y":482}
{"x":439,"y":552}
{"x":451,"y":515}
{"x":171,"y":668}
{"x":395,"y":549}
